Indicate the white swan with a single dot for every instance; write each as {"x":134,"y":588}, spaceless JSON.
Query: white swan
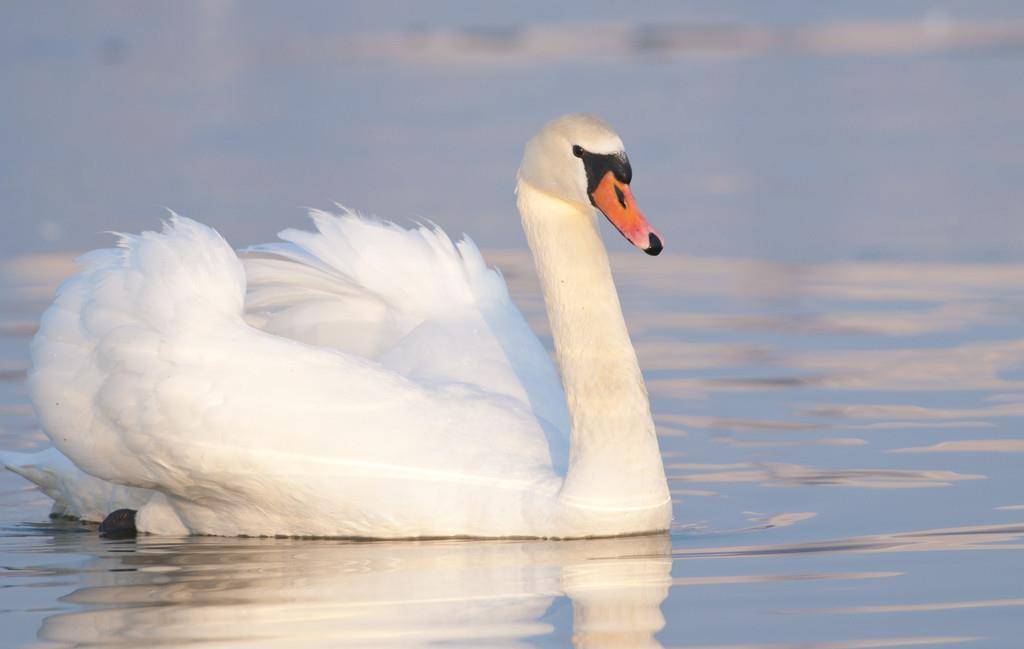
{"x":361,"y":381}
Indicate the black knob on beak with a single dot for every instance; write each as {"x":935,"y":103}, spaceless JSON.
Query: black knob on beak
{"x":654,"y":246}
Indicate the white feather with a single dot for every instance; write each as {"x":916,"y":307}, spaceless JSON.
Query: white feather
{"x":362,"y":380}
{"x":74,"y":492}
{"x":146,"y":374}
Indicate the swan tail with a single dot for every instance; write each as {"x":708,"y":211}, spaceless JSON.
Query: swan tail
{"x":31,"y":466}
{"x":74,"y":492}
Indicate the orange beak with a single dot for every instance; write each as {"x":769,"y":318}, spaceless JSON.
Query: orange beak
{"x":615,"y":200}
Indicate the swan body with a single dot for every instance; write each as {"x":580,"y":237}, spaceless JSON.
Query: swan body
{"x":362,"y":380}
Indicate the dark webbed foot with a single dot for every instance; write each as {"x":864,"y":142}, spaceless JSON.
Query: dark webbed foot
{"x":119,"y":524}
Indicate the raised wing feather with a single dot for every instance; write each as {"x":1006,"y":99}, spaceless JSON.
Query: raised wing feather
{"x":411,"y":298}
{"x":145,"y":374}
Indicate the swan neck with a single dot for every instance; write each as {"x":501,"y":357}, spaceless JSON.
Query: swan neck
{"x":614,"y":459}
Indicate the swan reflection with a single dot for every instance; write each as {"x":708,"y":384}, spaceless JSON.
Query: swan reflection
{"x":264,"y":592}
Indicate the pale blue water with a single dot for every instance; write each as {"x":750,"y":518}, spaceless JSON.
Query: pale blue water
{"x":832,"y":340}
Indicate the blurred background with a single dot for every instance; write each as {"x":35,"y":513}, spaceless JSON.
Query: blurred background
{"x":792,"y":130}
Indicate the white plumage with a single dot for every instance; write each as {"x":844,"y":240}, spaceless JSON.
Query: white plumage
{"x":363,"y":380}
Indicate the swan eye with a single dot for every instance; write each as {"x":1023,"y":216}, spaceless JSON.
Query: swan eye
{"x":577,"y":150}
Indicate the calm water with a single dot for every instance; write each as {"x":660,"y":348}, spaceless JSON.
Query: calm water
{"x":833,"y":340}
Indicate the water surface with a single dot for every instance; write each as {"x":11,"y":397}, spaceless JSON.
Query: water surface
{"x":843,"y":446}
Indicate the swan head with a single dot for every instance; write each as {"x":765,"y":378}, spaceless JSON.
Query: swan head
{"x":580,"y":159}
